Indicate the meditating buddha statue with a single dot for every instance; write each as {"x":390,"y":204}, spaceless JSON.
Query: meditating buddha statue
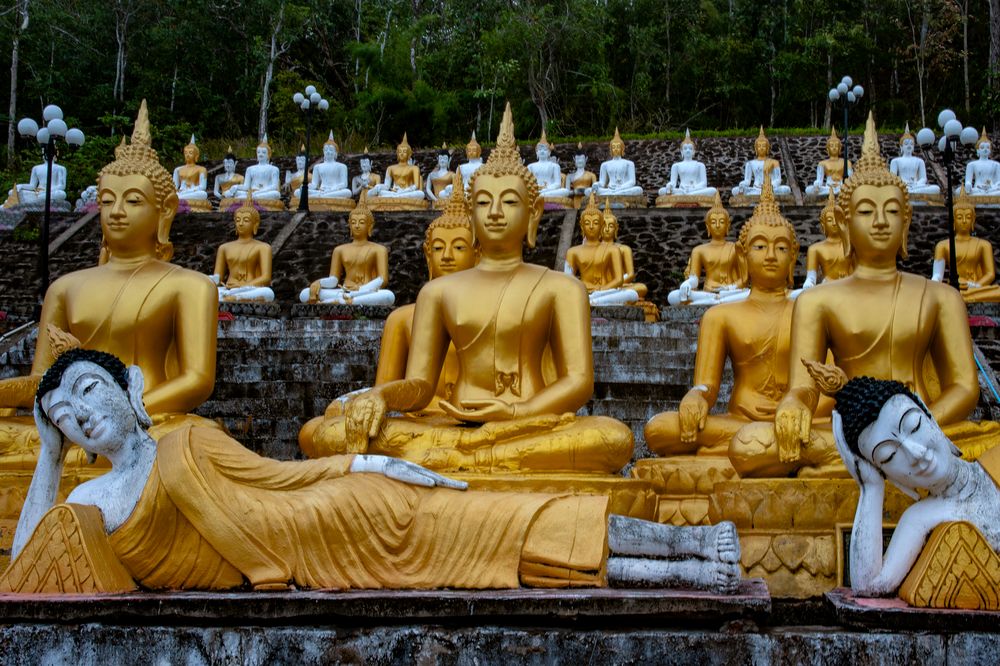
{"x":725,"y":280}
{"x":617,"y":177}
{"x":827,"y":256}
{"x":329,"y":186}
{"x":359,"y":270}
{"x":549,"y":175}
{"x":499,"y":317}
{"x":473,"y":160}
{"x":294,"y":178}
{"x":403,"y":186}
{"x":688,"y":178}
{"x":228,"y":179}
{"x":609,"y":235}
{"x":912,"y":170}
{"x":155,"y":314}
{"x":365,"y":180}
{"x":752,"y":335}
{"x":191,"y":180}
{"x":580,"y":180}
{"x":877,"y":322}
{"x":597,"y":264}
{"x":830,"y":172}
{"x":441,"y":177}
{"x":755,"y":169}
{"x":262,"y":179}
{"x":33,"y":192}
{"x":982,"y":175}
{"x":243,"y":266}
{"x":976,"y":270}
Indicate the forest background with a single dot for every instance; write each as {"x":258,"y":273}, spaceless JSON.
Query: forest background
{"x":226,"y":70}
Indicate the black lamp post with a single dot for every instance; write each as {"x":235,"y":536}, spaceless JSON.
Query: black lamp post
{"x":846,"y":96}
{"x":308,"y":101}
{"x":953,"y":133}
{"x":55,"y":128}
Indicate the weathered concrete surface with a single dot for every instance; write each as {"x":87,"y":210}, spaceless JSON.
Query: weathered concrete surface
{"x":894,"y":613}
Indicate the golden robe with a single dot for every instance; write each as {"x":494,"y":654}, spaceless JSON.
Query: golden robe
{"x":214,"y":513}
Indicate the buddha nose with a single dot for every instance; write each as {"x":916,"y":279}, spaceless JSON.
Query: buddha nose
{"x":449,"y":253}
{"x":916,"y":450}
{"x":496,"y":210}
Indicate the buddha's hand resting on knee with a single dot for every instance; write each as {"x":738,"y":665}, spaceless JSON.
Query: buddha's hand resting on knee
{"x":403,"y":470}
{"x":365,"y":416}
{"x":693,"y":415}
{"x":860,"y":469}
{"x":792,"y":424}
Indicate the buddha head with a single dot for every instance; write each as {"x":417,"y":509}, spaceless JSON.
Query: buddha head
{"x":247,"y":218}
{"x":580,"y":158}
{"x":403,"y":151}
{"x":263,"y":151}
{"x":761,"y":146}
{"x":361,"y":221}
{"x":831,"y":218}
{"x":543,"y":149}
{"x":448,"y":243}
{"x":191,"y":152}
{"x":330,"y":149}
{"x":834,"y":147}
{"x":137,"y":198}
{"x":984,"y":147}
{"x":473,"y":150}
{"x":964,"y":213}
{"x":907,"y":142}
{"x":687,"y":146}
{"x":365,"y":162}
{"x":300,"y":160}
{"x":877,"y":208}
{"x":506,"y":208}
{"x":609,"y":229}
{"x":444,"y":158}
{"x":229,"y":161}
{"x":617,"y":146}
{"x":717,"y":220}
{"x":591,"y":220}
{"x":767,"y":248}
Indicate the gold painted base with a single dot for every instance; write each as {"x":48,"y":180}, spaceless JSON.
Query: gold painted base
{"x":683,"y":201}
{"x":557,"y":203}
{"x":684,"y":484}
{"x":266,"y":204}
{"x":956,"y":569}
{"x":323,"y":205}
{"x":389,"y":204}
{"x":984,"y":200}
{"x":750,"y":200}
{"x":637,"y":201}
{"x":629,"y":497}
{"x":199,"y":205}
{"x":929,"y":199}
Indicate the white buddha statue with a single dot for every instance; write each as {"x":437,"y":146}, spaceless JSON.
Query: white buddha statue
{"x":329,"y":177}
{"x":191,"y":179}
{"x":617,"y":175}
{"x":228,"y":178}
{"x":294,"y":178}
{"x":263,"y":178}
{"x":547,"y":172}
{"x":402,"y":180}
{"x":753,"y":171}
{"x":474,"y":160}
{"x":440,"y":178}
{"x":830,"y":172}
{"x":33,"y":192}
{"x":688,"y":177}
{"x":982,"y":175}
{"x":365,"y":180}
{"x":87,"y":201}
{"x":910,"y":169}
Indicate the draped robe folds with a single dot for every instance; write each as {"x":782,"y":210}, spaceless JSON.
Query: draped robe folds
{"x":213,"y":513}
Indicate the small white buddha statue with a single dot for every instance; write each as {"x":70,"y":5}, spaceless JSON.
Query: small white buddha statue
{"x":580,"y":180}
{"x":910,"y":169}
{"x":547,"y":172}
{"x":33,"y":192}
{"x":87,"y":201}
{"x":617,"y":175}
{"x":365,"y":180}
{"x":191,"y":179}
{"x":263,"y":178}
{"x":474,"y":160}
{"x":402,"y":180}
{"x":294,"y":178}
{"x":830,"y":172}
{"x":982,"y":175}
{"x":688,"y":177}
{"x":228,"y":178}
{"x":440,"y":178}
{"x":753,"y":171}
{"x":329,"y":177}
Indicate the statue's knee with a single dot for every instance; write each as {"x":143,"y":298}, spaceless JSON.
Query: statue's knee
{"x":751,"y":447}
{"x":663,"y":436}
{"x":323,"y":436}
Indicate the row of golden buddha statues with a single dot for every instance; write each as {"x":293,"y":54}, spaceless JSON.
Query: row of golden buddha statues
{"x":484,"y":378}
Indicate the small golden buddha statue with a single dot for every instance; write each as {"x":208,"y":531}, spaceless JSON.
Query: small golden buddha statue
{"x":243,"y":266}
{"x":499,"y":317}
{"x":976,"y":270}
{"x":830,"y":172}
{"x":827,"y":256}
{"x":136,"y":305}
{"x":597,"y":264}
{"x":877,"y":322}
{"x":724,"y":279}
{"x":191,"y":180}
{"x":359,"y":270}
{"x":403,"y":186}
{"x":609,"y":235}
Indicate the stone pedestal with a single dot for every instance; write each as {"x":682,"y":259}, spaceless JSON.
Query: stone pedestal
{"x":637,"y":201}
{"x":321,"y":205}
{"x":684,"y":201}
{"x":386,"y":204}
{"x":196,"y":205}
{"x":683,"y":484}
{"x":750,"y":200}
{"x":226,"y":204}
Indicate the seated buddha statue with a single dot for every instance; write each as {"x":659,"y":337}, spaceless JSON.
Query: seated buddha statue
{"x":293,"y":179}
{"x":402,"y":180}
{"x":33,"y":192}
{"x":547,"y":172}
{"x":228,"y":179}
{"x":155,"y":314}
{"x":503,"y":415}
{"x":830,"y":172}
{"x":878,"y":322}
{"x":976,"y":270}
{"x":580,"y":180}
{"x":359,"y":270}
{"x":609,"y":235}
{"x":724,"y":278}
{"x":329,"y":177}
{"x":752,"y":335}
{"x":597,"y":264}
{"x":827,"y":256}
{"x":243,"y":266}
{"x":688,"y":177}
{"x":754,"y":170}
{"x":441,"y":177}
{"x":365,"y":180}
{"x":911,"y":170}
{"x":617,"y":175}
{"x":262,"y":179}
{"x":191,"y":180}
{"x":982,"y":175}
{"x":473,"y":160}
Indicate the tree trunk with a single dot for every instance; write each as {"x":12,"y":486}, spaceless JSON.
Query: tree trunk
{"x":964,"y":7}
{"x":265,"y":94}
{"x":994,"y":62}
{"x":173,"y":88}
{"x":828,"y":105}
{"x":20,"y":25}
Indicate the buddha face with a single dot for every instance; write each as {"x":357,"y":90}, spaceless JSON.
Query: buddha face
{"x":609,"y":230}
{"x":687,"y":151}
{"x":580,"y":161}
{"x":908,"y":446}
{"x":329,"y":152}
{"x":473,"y":151}
{"x":366,"y":165}
{"x":876,"y":225}
{"x":983,"y":150}
{"x":130,"y":217}
{"x":717,"y":225}
{"x":617,"y":149}
{"x":403,"y":154}
{"x":502,"y":214}
{"x":360,"y":226}
{"x":190,"y":153}
{"x":300,"y":162}
{"x":833,"y":148}
{"x":828,"y":220}
{"x":246,"y":222}
{"x":965,"y":220}
{"x":906,"y":148}
{"x":229,"y":165}
{"x":770,"y":256}
{"x":542,"y":152}
{"x":262,"y":154}
{"x":762,"y":148}
{"x":450,"y":250}
{"x":444,"y":160}
{"x":591,"y":225}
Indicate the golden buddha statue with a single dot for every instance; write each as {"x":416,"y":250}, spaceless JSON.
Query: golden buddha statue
{"x":403,"y":186}
{"x":359,"y":270}
{"x":976,"y":270}
{"x":827,"y":256}
{"x":598,"y":265}
{"x":136,"y":305}
{"x":191,"y":180}
{"x":609,"y":235}
{"x":725,"y":280}
{"x":830,"y":172}
{"x":499,"y":317}
{"x":243,"y":266}
{"x":877,"y":322}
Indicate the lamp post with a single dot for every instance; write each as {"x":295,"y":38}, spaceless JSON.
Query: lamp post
{"x":55,"y":128}
{"x":307,"y":101}
{"x":847,"y":96}
{"x":948,"y":145}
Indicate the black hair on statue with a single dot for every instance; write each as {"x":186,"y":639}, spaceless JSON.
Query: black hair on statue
{"x":53,"y":376}
{"x":444,"y":151}
{"x":230,"y":156}
{"x":860,"y":401}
